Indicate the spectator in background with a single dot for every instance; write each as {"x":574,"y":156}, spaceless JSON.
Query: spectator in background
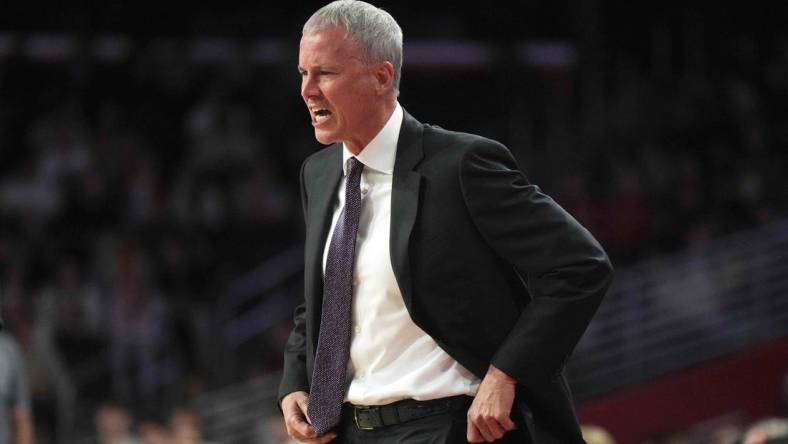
{"x":594,"y":434}
{"x":186,"y":426}
{"x":113,"y":425}
{"x":154,"y":432}
{"x":138,"y":328}
{"x":16,"y":418}
{"x":768,"y":431}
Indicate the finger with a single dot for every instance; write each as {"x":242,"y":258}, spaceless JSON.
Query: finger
{"x":496,"y":430}
{"x":299,"y":428}
{"x":303,"y":404}
{"x":323,"y":439}
{"x":507,"y":423}
{"x":484,"y":429}
{"x":473,"y":434}
{"x":301,"y":420}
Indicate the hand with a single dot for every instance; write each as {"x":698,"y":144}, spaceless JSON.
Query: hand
{"x":298,"y":426}
{"x":488,"y":417}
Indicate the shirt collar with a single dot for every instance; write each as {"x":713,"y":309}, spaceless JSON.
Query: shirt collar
{"x":380,"y":152}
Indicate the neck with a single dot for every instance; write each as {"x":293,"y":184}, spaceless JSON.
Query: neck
{"x":377,"y":120}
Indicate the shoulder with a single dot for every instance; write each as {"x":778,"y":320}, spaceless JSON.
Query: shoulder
{"x":459,"y":148}
{"x":434,"y":134}
{"x":469,"y":157}
{"x":438,"y":140}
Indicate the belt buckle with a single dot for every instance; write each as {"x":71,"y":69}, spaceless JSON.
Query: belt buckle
{"x":355,"y":415}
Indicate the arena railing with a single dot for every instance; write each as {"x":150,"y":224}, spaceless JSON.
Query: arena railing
{"x":670,"y":313}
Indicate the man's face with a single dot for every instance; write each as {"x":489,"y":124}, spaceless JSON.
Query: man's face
{"x":339,"y":89}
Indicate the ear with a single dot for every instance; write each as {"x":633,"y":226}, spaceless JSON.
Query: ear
{"x":384,"y":77}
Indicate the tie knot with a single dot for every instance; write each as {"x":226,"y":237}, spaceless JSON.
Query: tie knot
{"x":354,"y":168}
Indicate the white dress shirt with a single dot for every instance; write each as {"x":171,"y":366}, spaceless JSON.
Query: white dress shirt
{"x":391,"y":358}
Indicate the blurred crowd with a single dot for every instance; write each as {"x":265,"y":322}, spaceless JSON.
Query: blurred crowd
{"x":128,"y":204}
{"x":771,"y":430}
{"x":132,"y":193}
{"x":115,"y":425}
{"x":676,"y":161}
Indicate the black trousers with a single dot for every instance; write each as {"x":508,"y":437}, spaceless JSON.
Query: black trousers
{"x":443,"y":428}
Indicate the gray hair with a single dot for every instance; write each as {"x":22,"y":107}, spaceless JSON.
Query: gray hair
{"x":374,"y":30}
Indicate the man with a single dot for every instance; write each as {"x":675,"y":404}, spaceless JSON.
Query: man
{"x":16,"y":419}
{"x":467,"y":288}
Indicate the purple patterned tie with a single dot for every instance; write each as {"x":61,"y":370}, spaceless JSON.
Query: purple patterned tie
{"x":333,"y":344}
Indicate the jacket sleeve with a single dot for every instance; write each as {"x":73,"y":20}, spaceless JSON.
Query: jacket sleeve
{"x":566,"y":270}
{"x":294,"y":371}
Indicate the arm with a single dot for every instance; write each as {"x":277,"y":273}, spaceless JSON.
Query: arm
{"x":294,"y":370}
{"x":18,"y":397}
{"x":294,"y":386}
{"x":22,"y":425}
{"x":294,"y":377}
{"x":566,"y":270}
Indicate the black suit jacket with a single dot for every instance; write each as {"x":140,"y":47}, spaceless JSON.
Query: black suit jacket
{"x":489,"y":266}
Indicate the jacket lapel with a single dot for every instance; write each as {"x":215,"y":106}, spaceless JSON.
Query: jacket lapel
{"x":405,"y":201}
{"x":404,"y":209}
{"x":322,"y":195}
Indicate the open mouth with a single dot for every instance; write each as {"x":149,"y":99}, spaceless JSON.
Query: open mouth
{"x":320,"y":115}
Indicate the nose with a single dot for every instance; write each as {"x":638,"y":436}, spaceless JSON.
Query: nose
{"x":308,"y":86}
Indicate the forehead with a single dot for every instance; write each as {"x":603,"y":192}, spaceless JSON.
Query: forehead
{"x":330,"y":45}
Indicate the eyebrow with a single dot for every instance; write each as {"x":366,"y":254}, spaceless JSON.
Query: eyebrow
{"x":321,"y":67}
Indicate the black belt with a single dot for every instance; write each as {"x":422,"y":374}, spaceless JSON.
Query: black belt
{"x":367,"y":417}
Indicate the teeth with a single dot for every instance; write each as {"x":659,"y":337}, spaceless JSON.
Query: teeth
{"x":320,"y":114}
{"x":320,"y":111}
